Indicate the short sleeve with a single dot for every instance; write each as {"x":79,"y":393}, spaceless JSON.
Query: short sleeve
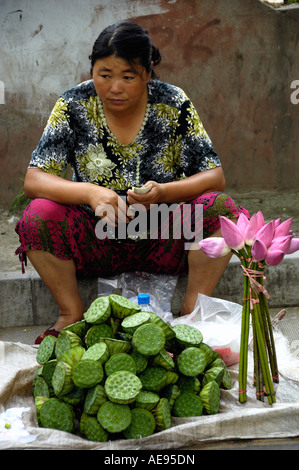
{"x":54,"y":150}
{"x":197,"y":151}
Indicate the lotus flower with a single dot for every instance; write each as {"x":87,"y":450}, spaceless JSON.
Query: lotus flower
{"x":214,"y":247}
{"x":259,"y":250}
{"x":294,"y":246}
{"x":231,"y":234}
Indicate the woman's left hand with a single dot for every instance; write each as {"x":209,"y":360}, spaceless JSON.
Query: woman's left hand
{"x":153,"y":196}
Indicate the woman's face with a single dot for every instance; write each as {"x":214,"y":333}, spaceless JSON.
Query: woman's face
{"x":120,"y":86}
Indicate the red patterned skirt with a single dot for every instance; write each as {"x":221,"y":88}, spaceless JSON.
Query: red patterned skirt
{"x":69,"y":232}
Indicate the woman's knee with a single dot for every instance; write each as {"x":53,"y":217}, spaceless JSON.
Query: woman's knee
{"x":46,"y":210}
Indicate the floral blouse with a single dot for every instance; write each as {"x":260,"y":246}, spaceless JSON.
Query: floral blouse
{"x":171,"y":144}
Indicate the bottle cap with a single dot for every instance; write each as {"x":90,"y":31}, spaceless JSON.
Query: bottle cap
{"x":143,"y":298}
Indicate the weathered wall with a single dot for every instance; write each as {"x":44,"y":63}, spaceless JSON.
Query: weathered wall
{"x":235,"y":59}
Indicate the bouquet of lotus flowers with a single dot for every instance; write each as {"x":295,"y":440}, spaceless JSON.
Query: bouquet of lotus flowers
{"x":258,"y":245}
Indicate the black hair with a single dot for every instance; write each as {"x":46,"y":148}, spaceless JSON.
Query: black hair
{"x":128,"y":41}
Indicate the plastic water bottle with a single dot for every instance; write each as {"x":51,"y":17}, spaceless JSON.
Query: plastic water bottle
{"x":144,"y":302}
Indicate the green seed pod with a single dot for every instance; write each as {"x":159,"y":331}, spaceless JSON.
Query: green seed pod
{"x":189,"y":384}
{"x":46,"y":350}
{"x":97,"y":352}
{"x":162,"y":415}
{"x":114,"y":417}
{"x":227,"y":379}
{"x":48,"y":371}
{"x":72,"y":355}
{"x":40,"y":387}
{"x":210,"y":396}
{"x":215,"y":373}
{"x":188,"y":404}
{"x":121,"y":361}
{"x":95,"y":397}
{"x":171,"y":392}
{"x":141,"y":361}
{"x":99,"y":311}
{"x":132,"y":322}
{"x":187,"y":335}
{"x":210,"y":354}
{"x":38,"y":402}
{"x":79,"y":328}
{"x":147,"y":400}
{"x":93,"y":431}
{"x":149,"y":339}
{"x":74,"y":397}
{"x":87,"y":373}
{"x":66,"y":340}
{"x":166,"y":327}
{"x":171,"y":377}
{"x":55,"y":414}
{"x":163,"y":359}
{"x":96,"y":333}
{"x":122,"y":307}
{"x":143,"y":424}
{"x":153,"y":378}
{"x":116,"y":346}
{"x":123,"y":387}
{"x":62,"y":379}
{"x":191,"y":361}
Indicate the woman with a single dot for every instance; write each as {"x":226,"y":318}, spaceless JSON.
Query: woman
{"x":122,"y":128}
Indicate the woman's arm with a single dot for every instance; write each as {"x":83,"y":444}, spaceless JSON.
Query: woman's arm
{"x":182,"y":190}
{"x":40,"y":184}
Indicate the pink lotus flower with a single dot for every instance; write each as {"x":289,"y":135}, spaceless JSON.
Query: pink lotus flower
{"x":214,"y":247}
{"x":265,"y":234}
{"x":274,"y":257}
{"x":259,"y":250}
{"x":294,"y":246}
{"x":283,"y":228}
{"x":231,"y":234}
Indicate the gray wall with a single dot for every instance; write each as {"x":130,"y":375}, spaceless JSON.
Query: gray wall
{"x":236,"y":59}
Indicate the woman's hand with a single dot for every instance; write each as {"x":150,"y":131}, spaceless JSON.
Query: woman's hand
{"x":153,"y":196}
{"x":109,"y":206}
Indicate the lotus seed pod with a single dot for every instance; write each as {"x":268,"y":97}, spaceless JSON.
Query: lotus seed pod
{"x":188,"y":404}
{"x":153,"y":378}
{"x":62,"y":379}
{"x":149,"y":339}
{"x":122,"y":387}
{"x":141,"y":361}
{"x":162,"y":415}
{"x":210,"y":396}
{"x":95,"y":397}
{"x":191,"y":361}
{"x":96,"y":333}
{"x":166,"y":327}
{"x":72,"y":355}
{"x":116,"y":346}
{"x":210,"y":354}
{"x":98,"y":352}
{"x":189,"y":384}
{"x":171,"y":392}
{"x":214,"y":373}
{"x":163,"y":359}
{"x":99,"y":311}
{"x":38,"y":402}
{"x":171,"y":377}
{"x":122,"y":307}
{"x":66,"y":340}
{"x":147,"y":400}
{"x":132,"y":322}
{"x":47,"y":371}
{"x":40,"y":387}
{"x":187,"y":335}
{"x":114,"y":417}
{"x":121,"y":361}
{"x":87,"y":373}
{"x":93,"y":431}
{"x":79,"y":328}
{"x":142,"y":424}
{"x":46,"y":350}
{"x":227,"y":379}
{"x":74,"y":397}
{"x":55,"y":414}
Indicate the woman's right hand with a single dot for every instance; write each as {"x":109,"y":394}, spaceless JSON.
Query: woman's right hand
{"x":109,"y":206}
